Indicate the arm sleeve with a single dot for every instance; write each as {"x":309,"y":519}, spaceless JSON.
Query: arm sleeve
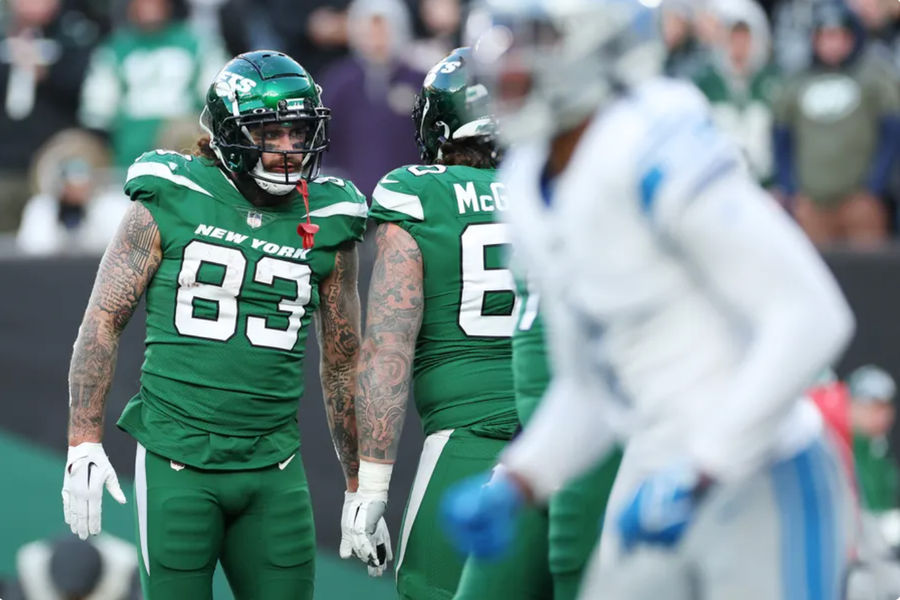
{"x":566,"y":436}
{"x":396,"y":200}
{"x":345,"y":210}
{"x":783,"y":143}
{"x":783,"y":103}
{"x":885,"y":153}
{"x":757,"y":261}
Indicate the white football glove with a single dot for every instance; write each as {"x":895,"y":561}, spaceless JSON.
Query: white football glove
{"x":87,"y":472}
{"x":370,"y":538}
{"x":347,"y":513}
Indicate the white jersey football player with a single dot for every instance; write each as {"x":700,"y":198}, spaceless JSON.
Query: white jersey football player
{"x":685,"y":312}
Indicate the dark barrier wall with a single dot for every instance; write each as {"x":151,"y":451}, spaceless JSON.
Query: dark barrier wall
{"x":41,"y":306}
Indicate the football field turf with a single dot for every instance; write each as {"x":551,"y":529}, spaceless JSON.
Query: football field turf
{"x":34,"y":511}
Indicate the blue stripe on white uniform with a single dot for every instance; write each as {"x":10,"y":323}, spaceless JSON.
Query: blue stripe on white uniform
{"x":806,"y":492}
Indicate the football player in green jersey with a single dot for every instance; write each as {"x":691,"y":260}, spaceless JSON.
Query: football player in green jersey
{"x":441,"y":310}
{"x":572,"y":520}
{"x":238,"y":248}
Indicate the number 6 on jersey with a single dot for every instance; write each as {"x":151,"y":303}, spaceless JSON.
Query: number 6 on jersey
{"x":479,"y":280}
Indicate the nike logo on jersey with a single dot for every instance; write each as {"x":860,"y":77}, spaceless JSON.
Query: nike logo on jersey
{"x":283,"y":465}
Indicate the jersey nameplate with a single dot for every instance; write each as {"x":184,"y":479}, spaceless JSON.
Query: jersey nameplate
{"x":468,"y":200}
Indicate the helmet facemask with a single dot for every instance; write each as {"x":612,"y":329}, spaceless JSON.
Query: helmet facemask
{"x":241,"y":139}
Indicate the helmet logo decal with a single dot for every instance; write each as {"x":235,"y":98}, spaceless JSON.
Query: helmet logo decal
{"x":445,"y":67}
{"x":233,"y":84}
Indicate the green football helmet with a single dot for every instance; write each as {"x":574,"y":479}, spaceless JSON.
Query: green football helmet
{"x":257,"y":89}
{"x":451,"y":106}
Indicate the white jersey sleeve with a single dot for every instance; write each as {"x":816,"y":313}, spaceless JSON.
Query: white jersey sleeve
{"x":759,"y":266}
{"x":573,"y":426}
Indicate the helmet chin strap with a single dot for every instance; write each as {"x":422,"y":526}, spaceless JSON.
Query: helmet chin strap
{"x":262,"y":179}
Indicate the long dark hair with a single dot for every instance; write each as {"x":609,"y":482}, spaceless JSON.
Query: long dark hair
{"x":477,"y":152}
{"x":204,"y":150}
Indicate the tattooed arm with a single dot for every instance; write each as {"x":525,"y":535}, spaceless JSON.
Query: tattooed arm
{"x":338,"y":330}
{"x":128,"y":265}
{"x":392,"y":325}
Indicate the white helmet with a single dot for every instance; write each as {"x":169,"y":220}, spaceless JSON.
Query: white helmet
{"x":551,"y":63}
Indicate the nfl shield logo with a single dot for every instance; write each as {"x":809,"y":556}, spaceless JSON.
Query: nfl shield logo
{"x":254,"y":219}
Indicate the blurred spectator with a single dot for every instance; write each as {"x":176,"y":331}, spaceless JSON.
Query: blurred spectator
{"x":879,"y":17}
{"x":739,"y":82}
{"x":312,"y":31}
{"x":102,"y":568}
{"x":836,"y":134}
{"x":872,"y":415}
{"x":371,"y":95}
{"x":42,"y":62}
{"x":440,"y":22}
{"x":152,"y":69}
{"x":793,"y":27}
{"x":72,"y":213}
{"x":685,"y":56}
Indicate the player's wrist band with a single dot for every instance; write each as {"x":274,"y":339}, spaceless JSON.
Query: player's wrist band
{"x":374,"y":478}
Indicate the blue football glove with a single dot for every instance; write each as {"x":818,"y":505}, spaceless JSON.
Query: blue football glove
{"x":662,"y":508}
{"x":479,"y":516}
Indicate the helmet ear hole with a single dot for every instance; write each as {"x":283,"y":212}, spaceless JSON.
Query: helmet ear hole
{"x":442,"y":130}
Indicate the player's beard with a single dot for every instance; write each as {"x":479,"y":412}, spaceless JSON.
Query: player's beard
{"x":277,"y":174}
{"x":281,"y":164}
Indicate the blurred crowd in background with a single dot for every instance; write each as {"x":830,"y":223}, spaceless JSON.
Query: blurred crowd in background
{"x":810,"y":89}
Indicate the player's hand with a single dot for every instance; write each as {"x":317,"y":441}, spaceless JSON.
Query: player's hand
{"x":369,"y":536}
{"x":661,"y":508}
{"x":87,"y":472}
{"x":479,"y":515}
{"x":346,"y":548}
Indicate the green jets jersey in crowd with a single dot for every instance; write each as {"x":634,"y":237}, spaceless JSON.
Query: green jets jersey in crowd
{"x":137,"y":81}
{"x":228,"y":311}
{"x":461,"y":374}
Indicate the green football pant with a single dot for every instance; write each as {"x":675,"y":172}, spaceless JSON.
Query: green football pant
{"x":258,"y":523}
{"x":428,"y":566}
{"x":552,"y":546}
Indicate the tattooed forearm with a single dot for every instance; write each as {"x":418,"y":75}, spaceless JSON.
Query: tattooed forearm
{"x":338,"y":330}
{"x":128,"y":264}
{"x":392,"y":325}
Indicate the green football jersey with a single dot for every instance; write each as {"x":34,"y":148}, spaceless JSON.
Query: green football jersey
{"x":228,"y":311}
{"x":531,"y":366}
{"x":462,"y":372}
